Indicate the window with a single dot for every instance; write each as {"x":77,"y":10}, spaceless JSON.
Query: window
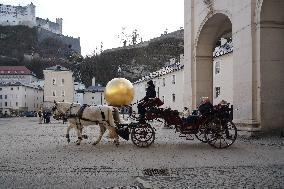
{"x":164,"y":82}
{"x":93,"y":97}
{"x":63,"y":93}
{"x":217,"y":67}
{"x":174,"y":97}
{"x":0,"y":89}
{"x":5,"y":96}
{"x":53,"y":81}
{"x":18,"y":88}
{"x":217,"y":92}
{"x":174,"y":79}
{"x":6,"y":104}
{"x":62,"y":81}
{"x":53,"y":93}
{"x":16,"y":103}
{"x":0,"y":96}
{"x":12,"y":88}
{"x":163,"y":98}
{"x":25,"y":96}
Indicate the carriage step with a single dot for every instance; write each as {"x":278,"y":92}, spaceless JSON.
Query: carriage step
{"x":187,"y":136}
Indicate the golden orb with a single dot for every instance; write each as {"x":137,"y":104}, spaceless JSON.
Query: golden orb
{"x":119,"y":92}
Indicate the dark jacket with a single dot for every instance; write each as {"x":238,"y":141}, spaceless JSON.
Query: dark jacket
{"x":150,"y":92}
{"x":205,"y":108}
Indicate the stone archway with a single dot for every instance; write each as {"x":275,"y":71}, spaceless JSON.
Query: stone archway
{"x":213,"y":28}
{"x":271,"y":64}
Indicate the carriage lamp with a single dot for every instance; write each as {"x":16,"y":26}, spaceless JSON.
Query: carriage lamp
{"x":119,"y":92}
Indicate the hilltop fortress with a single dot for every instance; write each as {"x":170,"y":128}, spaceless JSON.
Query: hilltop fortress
{"x":18,"y":15}
{"x":25,"y":15}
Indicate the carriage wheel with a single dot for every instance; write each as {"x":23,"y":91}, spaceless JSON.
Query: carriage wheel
{"x":143,"y":135}
{"x":201,"y":135}
{"x":222,"y":136}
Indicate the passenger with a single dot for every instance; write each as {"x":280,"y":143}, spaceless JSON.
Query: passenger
{"x":185,"y":113}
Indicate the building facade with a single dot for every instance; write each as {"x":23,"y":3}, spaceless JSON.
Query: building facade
{"x":17,"y":97}
{"x":168,"y":83}
{"x":13,"y":74}
{"x":79,"y":92}
{"x":25,"y":15}
{"x":58,"y":84}
{"x":94,"y":95}
{"x":222,"y":72}
{"x":256,"y":29}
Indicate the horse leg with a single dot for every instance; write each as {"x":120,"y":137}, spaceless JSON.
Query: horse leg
{"x":113,"y":134}
{"x":67,"y":133}
{"x":79,"y":134}
{"x":102,"y":131}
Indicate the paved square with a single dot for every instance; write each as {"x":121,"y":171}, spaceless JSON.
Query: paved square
{"x":38,"y":156}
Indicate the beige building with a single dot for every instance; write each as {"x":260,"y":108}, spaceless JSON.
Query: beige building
{"x":58,"y":84}
{"x":256,"y":29}
{"x":17,"y":97}
{"x":168,"y":83}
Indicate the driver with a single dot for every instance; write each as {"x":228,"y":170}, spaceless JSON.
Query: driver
{"x":150,"y":93}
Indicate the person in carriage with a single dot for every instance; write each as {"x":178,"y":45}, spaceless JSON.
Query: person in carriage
{"x":205,"y":108}
{"x":150,"y":94}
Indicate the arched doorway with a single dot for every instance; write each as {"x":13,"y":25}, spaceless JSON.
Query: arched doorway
{"x":271,"y":25}
{"x":217,"y":26}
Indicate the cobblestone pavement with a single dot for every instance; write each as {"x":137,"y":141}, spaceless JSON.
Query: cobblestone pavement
{"x":38,"y":156}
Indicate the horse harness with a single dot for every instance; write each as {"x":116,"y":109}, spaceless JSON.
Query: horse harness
{"x":79,"y":115}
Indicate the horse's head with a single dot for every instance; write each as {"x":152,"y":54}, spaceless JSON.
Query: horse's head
{"x":61,"y":107}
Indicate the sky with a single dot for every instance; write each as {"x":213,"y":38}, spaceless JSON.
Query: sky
{"x":96,"y":21}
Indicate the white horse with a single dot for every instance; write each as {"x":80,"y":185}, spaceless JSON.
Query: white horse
{"x":104,"y":116}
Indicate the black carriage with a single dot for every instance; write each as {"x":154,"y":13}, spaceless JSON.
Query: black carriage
{"x":211,"y":124}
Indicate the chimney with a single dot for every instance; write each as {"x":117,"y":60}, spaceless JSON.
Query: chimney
{"x":93,"y":81}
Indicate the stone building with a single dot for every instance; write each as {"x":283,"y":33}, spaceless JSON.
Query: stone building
{"x":222,"y":72}
{"x":256,"y":29}
{"x":58,"y":84}
{"x":18,"y":97}
{"x":79,"y":92}
{"x":12,"y":74}
{"x":94,"y":95}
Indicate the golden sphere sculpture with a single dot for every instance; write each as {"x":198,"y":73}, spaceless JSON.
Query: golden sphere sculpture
{"x":119,"y":92}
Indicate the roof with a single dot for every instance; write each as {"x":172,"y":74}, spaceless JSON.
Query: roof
{"x":163,"y":71}
{"x":94,"y":89}
{"x":14,"y":70}
{"x":57,"y":68}
{"x":19,"y":84}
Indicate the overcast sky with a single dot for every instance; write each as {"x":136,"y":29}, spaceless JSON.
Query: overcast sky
{"x":96,"y":21}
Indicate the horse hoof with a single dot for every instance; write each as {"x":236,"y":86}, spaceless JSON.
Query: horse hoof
{"x":85,"y":136}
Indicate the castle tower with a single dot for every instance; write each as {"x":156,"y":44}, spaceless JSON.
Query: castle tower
{"x":31,"y":14}
{"x":59,"y":21}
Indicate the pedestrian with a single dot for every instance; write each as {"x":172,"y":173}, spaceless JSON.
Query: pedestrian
{"x":40,"y":116}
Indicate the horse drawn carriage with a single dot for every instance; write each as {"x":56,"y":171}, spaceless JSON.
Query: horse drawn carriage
{"x":212,"y":125}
